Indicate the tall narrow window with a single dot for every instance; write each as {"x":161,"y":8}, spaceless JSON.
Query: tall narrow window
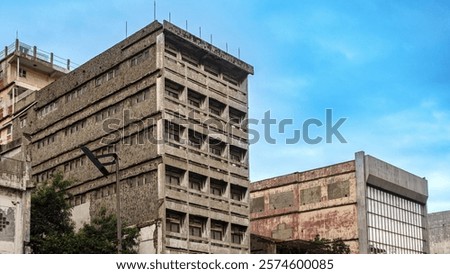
{"x":196,"y":181}
{"x":237,"y":154}
{"x":216,"y":107}
{"x":218,"y":229}
{"x":196,"y":226}
{"x":173,"y":89}
{"x":236,"y":116}
{"x":195,"y":99}
{"x":172,"y":131}
{"x":174,"y":176}
{"x":174,"y":221}
{"x":196,"y":139}
{"x":237,"y":192}
{"x":23,"y":121}
{"x":216,"y":146}
{"x":22,"y":73}
{"x":237,"y":234}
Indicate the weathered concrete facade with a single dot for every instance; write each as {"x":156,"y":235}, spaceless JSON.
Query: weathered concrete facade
{"x":439,"y":231}
{"x":173,"y":108}
{"x":302,"y":205}
{"x":14,"y":206}
{"x":351,"y":201}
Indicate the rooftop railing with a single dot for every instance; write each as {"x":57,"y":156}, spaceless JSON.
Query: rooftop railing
{"x":33,"y":52}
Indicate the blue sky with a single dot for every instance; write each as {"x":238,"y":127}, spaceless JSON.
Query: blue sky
{"x":382,"y":65}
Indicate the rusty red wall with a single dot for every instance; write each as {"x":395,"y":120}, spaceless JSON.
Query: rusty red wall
{"x":302,"y":205}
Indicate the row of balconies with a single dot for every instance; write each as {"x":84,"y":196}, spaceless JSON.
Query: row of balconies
{"x":212,"y":83}
{"x":199,"y":232}
{"x":204,"y":103}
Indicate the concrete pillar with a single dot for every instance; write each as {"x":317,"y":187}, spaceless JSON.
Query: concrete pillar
{"x":361,"y":208}
{"x":426,"y":232}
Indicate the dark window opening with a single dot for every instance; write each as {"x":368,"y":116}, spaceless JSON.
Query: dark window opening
{"x":236,"y":116}
{"x":174,"y":176}
{"x":196,"y":226}
{"x":22,"y":73}
{"x":196,"y":181}
{"x":218,"y":229}
{"x":190,"y":59}
{"x":237,"y":192}
{"x":216,"y":107}
{"x":196,"y":139}
{"x":237,"y":154}
{"x":217,"y":187}
{"x":173,"y":89}
{"x":174,"y":221}
{"x":216,"y":146}
{"x":172,"y":132}
{"x":237,"y":234}
{"x":195,"y":99}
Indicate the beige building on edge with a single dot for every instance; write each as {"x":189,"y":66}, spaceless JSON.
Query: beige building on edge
{"x":23,"y":71}
{"x":374,"y":207}
{"x":173,"y":107}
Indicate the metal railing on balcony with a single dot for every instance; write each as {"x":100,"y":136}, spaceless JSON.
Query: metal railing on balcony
{"x":33,"y":52}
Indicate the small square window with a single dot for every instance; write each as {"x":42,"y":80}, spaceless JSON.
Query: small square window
{"x":174,"y":221}
{"x":174,"y":176}
{"x":237,"y":192}
{"x":217,"y":187}
{"x":196,"y":226}
{"x":22,"y":73}
{"x":195,"y":99}
{"x":216,"y":107}
{"x":196,"y":181}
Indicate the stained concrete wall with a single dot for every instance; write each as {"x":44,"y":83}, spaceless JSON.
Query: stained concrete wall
{"x":303,"y":205}
{"x":394,"y":179}
{"x":14,"y":206}
{"x":115,"y":112}
{"x":439,"y":232}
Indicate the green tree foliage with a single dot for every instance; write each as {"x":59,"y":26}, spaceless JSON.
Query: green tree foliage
{"x":100,"y":236}
{"x":53,"y":231}
{"x":326,"y":246}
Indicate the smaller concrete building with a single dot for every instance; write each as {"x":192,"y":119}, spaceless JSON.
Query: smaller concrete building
{"x":24,"y":70}
{"x":373,"y":206}
{"x":14,"y":206}
{"x":439,"y":230}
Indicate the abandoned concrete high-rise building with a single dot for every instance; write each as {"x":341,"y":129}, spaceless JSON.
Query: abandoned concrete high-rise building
{"x":373,"y":206}
{"x":173,"y":107}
